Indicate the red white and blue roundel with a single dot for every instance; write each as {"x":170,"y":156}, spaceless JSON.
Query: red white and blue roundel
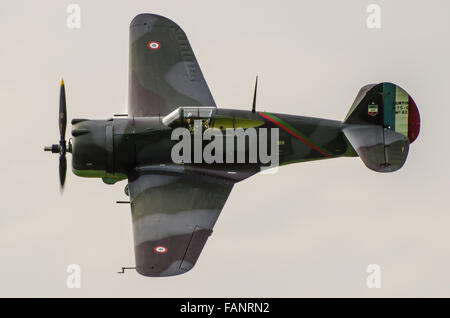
{"x":160,"y":249}
{"x":153,"y":45}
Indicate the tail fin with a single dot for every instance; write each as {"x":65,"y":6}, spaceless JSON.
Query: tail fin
{"x":381,"y":124}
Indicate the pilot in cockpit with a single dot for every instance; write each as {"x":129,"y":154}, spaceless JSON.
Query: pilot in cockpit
{"x":191,"y":123}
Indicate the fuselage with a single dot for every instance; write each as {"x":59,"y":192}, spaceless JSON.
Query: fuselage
{"x":112,"y":149}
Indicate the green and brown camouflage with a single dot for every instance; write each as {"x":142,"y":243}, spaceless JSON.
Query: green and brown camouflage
{"x":175,"y":206}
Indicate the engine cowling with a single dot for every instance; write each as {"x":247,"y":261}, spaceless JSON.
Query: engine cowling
{"x":92,"y":148}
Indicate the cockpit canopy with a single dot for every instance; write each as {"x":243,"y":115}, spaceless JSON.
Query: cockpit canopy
{"x":211,"y":117}
{"x":184,"y":116}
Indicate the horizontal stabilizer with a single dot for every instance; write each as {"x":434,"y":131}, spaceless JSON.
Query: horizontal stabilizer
{"x":381,"y":149}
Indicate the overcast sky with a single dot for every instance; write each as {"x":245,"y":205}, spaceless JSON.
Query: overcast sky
{"x":309,"y":230}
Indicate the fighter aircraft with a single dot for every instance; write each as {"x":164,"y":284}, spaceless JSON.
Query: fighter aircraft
{"x":175,"y":204}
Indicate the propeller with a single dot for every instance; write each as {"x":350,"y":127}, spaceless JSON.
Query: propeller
{"x":62,"y":147}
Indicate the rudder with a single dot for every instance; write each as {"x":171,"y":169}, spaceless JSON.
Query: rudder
{"x":381,"y":124}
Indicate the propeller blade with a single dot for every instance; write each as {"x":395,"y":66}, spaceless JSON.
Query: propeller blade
{"x":61,"y":148}
{"x":62,"y":169}
{"x":62,"y":112}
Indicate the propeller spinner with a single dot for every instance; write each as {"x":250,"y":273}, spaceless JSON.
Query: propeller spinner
{"x":62,"y":148}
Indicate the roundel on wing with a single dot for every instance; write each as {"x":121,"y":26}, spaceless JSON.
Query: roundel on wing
{"x":160,"y":249}
{"x":153,"y":45}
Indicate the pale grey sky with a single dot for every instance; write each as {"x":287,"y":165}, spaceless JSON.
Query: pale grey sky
{"x":309,"y":230}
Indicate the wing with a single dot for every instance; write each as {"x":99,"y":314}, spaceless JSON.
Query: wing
{"x":164,"y":73}
{"x":173,"y":216}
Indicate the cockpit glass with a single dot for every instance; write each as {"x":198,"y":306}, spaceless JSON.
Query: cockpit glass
{"x":172,"y":117}
{"x":190,"y":112}
{"x":205,"y":112}
{"x":183,"y":114}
